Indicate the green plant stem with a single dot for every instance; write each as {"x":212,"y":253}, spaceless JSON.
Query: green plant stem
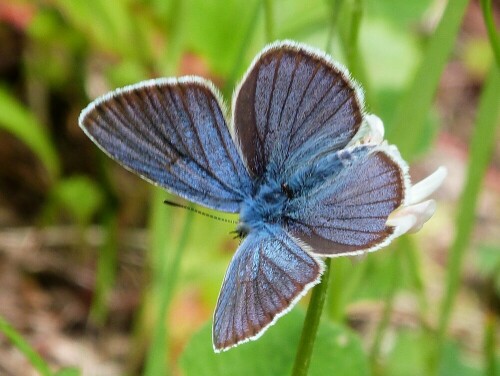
{"x":406,"y":245}
{"x":490,"y":345}
{"x":269,"y":19}
{"x":481,"y":149}
{"x":231,"y":79}
{"x":336,"y":294}
{"x":350,"y":46}
{"x":388,"y":307}
{"x":23,"y":346}
{"x":490,"y":27}
{"x":311,"y":323}
{"x":174,"y":23}
{"x":160,"y":233}
{"x":333,"y":24}
{"x":165,"y":285}
{"x":106,"y":269}
{"x":413,"y":109}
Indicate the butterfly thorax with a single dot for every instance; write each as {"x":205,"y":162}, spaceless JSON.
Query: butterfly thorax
{"x":266,"y":206}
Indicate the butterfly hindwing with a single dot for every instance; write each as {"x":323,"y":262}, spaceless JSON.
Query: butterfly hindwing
{"x":173,"y":133}
{"x":292,"y":104}
{"x":347,"y":212}
{"x":267,"y":275}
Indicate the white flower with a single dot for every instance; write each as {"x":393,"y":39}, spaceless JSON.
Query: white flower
{"x":412,"y":216}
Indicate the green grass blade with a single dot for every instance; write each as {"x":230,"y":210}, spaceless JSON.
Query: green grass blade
{"x":490,"y":344}
{"x":18,"y":120}
{"x":490,"y":27}
{"x":335,"y":7}
{"x":160,"y":234}
{"x":249,"y":32}
{"x":168,"y":62}
{"x":336,"y":294}
{"x":269,"y":19}
{"x":311,"y":324}
{"x":24,"y":347}
{"x":412,"y":111}
{"x":164,"y":286}
{"x":108,"y":24}
{"x":106,"y":269}
{"x":481,"y":149}
{"x":388,"y":308}
{"x":411,"y":258}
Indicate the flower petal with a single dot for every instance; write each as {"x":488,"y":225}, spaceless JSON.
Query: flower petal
{"x":376,"y":129}
{"x":372,"y":132}
{"x":427,"y":186}
{"x":411,"y":218}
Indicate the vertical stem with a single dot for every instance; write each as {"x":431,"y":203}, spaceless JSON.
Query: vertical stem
{"x":156,"y":363}
{"x":490,"y":27}
{"x":490,"y":345}
{"x":353,"y":37}
{"x":481,"y":149}
{"x":269,"y":19}
{"x":413,"y":108}
{"x":168,"y":63}
{"x":388,"y":307}
{"x":350,"y":46}
{"x":412,"y":257}
{"x":334,"y":16}
{"x":335,"y":304}
{"x":106,"y":269}
{"x":159,"y":229}
{"x":231,"y":79}
{"x":311,"y":323}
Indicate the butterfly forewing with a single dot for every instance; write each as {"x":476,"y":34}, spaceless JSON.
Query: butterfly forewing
{"x":292,"y":104}
{"x":172,"y":133}
{"x":267,"y":275}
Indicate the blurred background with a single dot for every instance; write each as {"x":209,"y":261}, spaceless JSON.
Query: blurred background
{"x":99,"y":277}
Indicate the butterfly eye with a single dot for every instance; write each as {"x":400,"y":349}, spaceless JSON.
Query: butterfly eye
{"x":286,"y":190}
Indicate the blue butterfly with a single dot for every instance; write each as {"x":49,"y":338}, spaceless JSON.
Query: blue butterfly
{"x":300,"y":162}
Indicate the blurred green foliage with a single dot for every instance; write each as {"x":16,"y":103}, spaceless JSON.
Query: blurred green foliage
{"x":96,"y":45}
{"x":337,"y":351}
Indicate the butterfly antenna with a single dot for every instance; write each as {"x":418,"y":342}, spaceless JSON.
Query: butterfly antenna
{"x":175,"y":204}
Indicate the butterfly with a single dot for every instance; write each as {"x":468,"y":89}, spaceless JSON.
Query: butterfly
{"x":299,"y":160}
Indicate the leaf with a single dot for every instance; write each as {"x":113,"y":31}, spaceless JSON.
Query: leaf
{"x":217,"y":30}
{"x":411,"y":112}
{"x":481,"y":150}
{"x":403,"y":13}
{"x":488,"y":260}
{"x":24,"y":347}
{"x":454,"y":364}
{"x":111,"y":27}
{"x":391,"y":66}
{"x":410,"y":355}
{"x":18,"y":120}
{"x":80,"y":196}
{"x":337,"y":351}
